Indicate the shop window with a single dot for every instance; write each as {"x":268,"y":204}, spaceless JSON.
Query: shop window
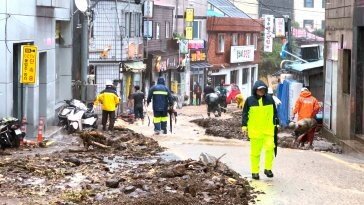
{"x":248,"y":39}
{"x":308,"y":3}
{"x":157,"y":30}
{"x":220,"y":43}
{"x":245,"y":76}
{"x":234,"y":41}
{"x":168,"y":30}
{"x":255,"y":41}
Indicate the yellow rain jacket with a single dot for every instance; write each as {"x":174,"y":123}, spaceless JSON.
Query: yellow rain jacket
{"x":109,"y":99}
{"x":259,"y":119}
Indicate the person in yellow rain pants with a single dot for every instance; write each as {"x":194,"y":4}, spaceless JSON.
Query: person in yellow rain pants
{"x":240,"y":100}
{"x":259,"y":119}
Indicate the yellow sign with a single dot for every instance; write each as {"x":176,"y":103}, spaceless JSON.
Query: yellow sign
{"x":198,"y":56}
{"x":29,"y":54}
{"x":189,"y":33}
{"x":189,"y":15}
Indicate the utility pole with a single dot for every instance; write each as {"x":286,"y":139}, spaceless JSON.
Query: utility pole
{"x":289,"y":33}
{"x":84,"y":55}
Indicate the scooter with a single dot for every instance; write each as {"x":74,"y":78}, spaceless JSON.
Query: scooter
{"x":67,"y":109}
{"x":10,"y":133}
{"x":81,"y":118}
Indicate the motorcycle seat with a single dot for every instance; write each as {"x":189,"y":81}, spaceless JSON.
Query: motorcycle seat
{"x":89,"y":115}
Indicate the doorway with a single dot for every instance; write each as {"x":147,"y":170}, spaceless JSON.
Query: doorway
{"x":359,"y":86}
{"x":43,"y":84}
{"x":18,"y":88}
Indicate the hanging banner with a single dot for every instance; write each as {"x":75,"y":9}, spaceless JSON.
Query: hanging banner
{"x":148,"y":9}
{"x":268,"y":33}
{"x":29,"y":54}
{"x":183,"y":46}
{"x":280,"y":27}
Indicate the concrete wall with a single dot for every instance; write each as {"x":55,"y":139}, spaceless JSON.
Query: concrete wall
{"x":29,"y":23}
{"x":317,"y":14}
{"x":200,"y":9}
{"x":339,"y":24}
{"x":250,"y":7}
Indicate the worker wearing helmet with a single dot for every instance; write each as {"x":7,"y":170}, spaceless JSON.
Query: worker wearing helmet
{"x":259,"y":120}
{"x":109,"y":100}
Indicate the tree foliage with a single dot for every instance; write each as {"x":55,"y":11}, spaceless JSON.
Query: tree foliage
{"x":270,"y":62}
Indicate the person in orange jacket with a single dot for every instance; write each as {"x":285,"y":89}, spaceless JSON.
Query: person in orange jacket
{"x":307,"y":107}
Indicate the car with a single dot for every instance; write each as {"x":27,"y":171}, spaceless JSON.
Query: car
{"x":232,"y":91}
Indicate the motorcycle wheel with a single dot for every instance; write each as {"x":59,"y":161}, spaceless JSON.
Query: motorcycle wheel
{"x":15,"y":141}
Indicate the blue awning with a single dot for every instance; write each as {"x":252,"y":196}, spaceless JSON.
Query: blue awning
{"x":301,"y":67}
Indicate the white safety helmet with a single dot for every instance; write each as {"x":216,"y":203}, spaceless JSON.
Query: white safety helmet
{"x":108,"y":83}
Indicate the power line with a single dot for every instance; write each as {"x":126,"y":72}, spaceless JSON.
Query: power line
{"x":274,"y":6}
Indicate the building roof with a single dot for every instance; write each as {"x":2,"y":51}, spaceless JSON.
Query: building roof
{"x":222,"y":24}
{"x":307,"y":36}
{"x":226,"y":7}
{"x":301,"y":67}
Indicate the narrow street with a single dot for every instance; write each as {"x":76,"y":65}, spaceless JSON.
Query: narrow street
{"x":301,"y":176}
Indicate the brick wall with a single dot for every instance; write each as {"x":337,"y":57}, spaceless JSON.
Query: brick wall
{"x":229,"y":26}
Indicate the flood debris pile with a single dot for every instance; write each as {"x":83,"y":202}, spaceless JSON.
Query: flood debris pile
{"x":121,"y":139}
{"x":124,"y":170}
{"x":228,"y":128}
{"x":231,"y":129}
{"x":287,"y":140}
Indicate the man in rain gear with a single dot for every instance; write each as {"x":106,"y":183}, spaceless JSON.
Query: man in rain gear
{"x":222,"y":93}
{"x":109,"y":100}
{"x":307,"y":107}
{"x":212,"y":101}
{"x":259,"y":120}
{"x":162,"y":98}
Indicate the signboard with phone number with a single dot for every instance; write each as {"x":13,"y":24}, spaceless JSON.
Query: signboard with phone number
{"x":29,"y":54}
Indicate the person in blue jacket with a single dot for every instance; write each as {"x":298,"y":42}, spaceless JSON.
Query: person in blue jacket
{"x":162,"y":99}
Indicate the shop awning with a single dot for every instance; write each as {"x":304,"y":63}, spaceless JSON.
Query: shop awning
{"x":301,"y":67}
{"x":200,"y":65}
{"x":137,"y":66}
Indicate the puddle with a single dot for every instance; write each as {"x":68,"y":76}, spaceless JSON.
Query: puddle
{"x":117,"y":162}
{"x":73,"y":181}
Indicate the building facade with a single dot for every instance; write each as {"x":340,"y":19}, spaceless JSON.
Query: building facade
{"x":116,"y":45}
{"x":278,"y":8}
{"x":344,"y":73}
{"x":310,"y":14}
{"x":234,"y":51}
{"x":161,"y":50}
{"x":47,"y":25}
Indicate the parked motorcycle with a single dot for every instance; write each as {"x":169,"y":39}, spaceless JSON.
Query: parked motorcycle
{"x":67,"y":109}
{"x":82,"y":117}
{"x":10,"y":132}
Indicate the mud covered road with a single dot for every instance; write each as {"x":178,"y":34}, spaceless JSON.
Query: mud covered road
{"x":122,"y":167}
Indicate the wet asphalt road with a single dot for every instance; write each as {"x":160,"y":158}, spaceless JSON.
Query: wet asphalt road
{"x":301,"y":177}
